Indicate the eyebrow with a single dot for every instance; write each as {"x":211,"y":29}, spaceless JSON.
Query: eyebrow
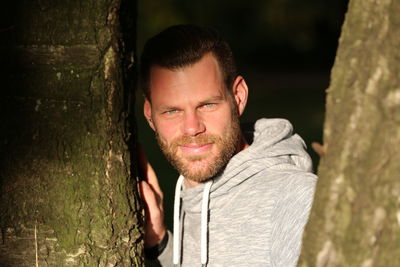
{"x":208,"y":100}
{"x":167,"y":107}
{"x":212,"y":99}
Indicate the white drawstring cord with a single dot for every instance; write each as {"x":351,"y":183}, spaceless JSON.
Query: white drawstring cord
{"x":177,"y":211}
{"x":203,"y":227}
{"x":204,"y":223}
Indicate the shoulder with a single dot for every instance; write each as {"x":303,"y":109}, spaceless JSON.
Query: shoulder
{"x":279,"y":191}
{"x":284,"y":182}
{"x":293,"y":200}
{"x":297,"y":183}
{"x":294,"y":193}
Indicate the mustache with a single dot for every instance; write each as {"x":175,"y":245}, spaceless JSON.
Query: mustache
{"x":200,"y":140}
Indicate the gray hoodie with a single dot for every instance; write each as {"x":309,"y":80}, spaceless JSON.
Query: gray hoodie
{"x":257,"y":207}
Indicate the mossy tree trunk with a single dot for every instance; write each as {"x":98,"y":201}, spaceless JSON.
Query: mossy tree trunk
{"x":67,"y":193}
{"x":355,"y":219}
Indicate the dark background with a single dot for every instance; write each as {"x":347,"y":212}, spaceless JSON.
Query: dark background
{"x":285,"y":49}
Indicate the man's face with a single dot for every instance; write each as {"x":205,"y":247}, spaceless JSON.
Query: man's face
{"x":195,"y":120}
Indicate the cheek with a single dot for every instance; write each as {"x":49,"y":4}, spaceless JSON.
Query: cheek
{"x":167,"y":131}
{"x":219,"y":123}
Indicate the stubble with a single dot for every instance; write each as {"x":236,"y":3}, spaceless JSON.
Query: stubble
{"x":200,"y":168}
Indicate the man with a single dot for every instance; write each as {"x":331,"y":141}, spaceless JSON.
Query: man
{"x":236,"y":203}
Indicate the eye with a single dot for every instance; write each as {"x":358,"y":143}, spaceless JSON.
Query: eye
{"x":209,"y":105}
{"x":170,"y":112}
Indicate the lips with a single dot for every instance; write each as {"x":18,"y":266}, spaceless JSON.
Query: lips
{"x":195,"y":149}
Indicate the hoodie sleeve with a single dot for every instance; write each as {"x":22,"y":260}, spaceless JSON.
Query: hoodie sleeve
{"x":165,"y":258}
{"x":291,"y":212}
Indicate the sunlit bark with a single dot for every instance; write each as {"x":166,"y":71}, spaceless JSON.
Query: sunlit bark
{"x":355,"y":219}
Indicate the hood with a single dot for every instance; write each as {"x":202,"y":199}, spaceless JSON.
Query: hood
{"x":274,"y":147}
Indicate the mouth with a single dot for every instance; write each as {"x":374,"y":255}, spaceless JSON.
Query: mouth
{"x":195,"y":149}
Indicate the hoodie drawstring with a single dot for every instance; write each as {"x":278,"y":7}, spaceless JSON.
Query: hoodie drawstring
{"x":177,"y":211}
{"x":203,"y":224}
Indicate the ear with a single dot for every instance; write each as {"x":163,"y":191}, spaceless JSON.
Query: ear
{"x":240,"y":93}
{"x":147,"y":113}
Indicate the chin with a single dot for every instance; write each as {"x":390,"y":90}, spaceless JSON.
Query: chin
{"x":199,"y":171}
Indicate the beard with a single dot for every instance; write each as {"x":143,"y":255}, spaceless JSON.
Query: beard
{"x":200,"y":168}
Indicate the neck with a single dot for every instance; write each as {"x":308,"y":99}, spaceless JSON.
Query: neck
{"x":242,"y":145}
{"x":189,"y":183}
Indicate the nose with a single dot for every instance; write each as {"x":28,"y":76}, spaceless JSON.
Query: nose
{"x":193,"y":124}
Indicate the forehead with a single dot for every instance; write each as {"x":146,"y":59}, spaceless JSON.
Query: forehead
{"x":203,"y":76}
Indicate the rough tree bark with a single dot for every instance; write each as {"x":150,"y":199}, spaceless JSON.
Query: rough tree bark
{"x":67,"y":193}
{"x":355,"y":219}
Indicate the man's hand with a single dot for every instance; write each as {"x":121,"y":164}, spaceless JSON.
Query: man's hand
{"x":152,"y":195}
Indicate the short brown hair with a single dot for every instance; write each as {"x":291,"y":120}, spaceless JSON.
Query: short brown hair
{"x":183,"y":45}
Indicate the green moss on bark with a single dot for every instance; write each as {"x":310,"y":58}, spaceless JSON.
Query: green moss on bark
{"x":66,"y":174}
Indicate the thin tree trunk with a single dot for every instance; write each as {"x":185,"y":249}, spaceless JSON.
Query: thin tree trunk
{"x":355,"y":219}
{"x":67,"y":193}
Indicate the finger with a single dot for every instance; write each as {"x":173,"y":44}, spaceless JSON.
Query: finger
{"x":153,"y":180}
{"x":149,"y":196}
